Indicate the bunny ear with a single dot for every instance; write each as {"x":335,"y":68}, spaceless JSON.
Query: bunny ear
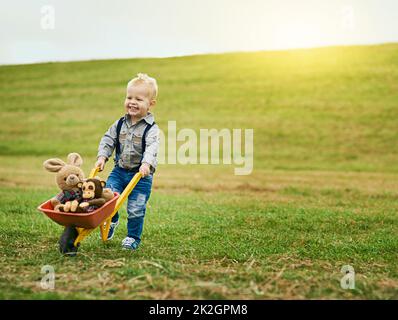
{"x":74,"y":159}
{"x":53,"y":165}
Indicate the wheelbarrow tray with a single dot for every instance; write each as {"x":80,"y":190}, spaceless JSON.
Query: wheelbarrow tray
{"x":89,"y":220}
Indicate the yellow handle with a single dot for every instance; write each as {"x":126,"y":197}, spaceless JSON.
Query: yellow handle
{"x":126,"y":192}
{"x":93,"y":172}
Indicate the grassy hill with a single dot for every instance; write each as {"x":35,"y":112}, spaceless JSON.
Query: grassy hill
{"x":322,"y":193}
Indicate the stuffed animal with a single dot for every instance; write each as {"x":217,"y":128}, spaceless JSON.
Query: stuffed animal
{"x":92,"y":190}
{"x":94,"y":195}
{"x":107,"y":194}
{"x":68,"y":176}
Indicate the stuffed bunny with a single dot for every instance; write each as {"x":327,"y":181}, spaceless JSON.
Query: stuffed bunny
{"x":68,"y":175}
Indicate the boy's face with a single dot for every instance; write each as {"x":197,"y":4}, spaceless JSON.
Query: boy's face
{"x":138,"y":100}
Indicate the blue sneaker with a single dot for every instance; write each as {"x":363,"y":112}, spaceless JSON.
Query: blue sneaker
{"x":129,"y":243}
{"x":112,"y":229}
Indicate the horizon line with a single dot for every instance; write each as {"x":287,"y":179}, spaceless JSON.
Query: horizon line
{"x":202,"y":54}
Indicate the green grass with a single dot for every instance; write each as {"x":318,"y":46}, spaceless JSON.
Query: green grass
{"x":323,"y":192}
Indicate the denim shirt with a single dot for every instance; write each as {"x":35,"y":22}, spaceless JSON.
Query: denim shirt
{"x":130,"y":140}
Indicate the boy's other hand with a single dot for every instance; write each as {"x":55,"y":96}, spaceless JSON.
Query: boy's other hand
{"x":100,"y":163}
{"x":145,"y":169}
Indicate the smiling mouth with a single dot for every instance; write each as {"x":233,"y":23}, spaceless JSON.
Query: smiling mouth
{"x":133,"y":108}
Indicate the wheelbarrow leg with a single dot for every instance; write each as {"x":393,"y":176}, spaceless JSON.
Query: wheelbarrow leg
{"x":104,"y":228}
{"x":66,"y":242}
{"x":83,"y":233}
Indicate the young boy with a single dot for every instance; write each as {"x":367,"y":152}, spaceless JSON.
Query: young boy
{"x":135,"y":139}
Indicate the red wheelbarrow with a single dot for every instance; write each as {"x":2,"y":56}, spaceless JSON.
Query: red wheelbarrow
{"x":78,"y":226}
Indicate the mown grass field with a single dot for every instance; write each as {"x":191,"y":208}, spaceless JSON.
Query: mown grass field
{"x":323,"y":192}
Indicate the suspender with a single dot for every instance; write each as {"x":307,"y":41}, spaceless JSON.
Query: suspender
{"x":149,"y":126}
{"x":119,"y":128}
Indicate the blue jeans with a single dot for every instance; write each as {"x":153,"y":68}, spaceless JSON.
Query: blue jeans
{"x":137,"y":200}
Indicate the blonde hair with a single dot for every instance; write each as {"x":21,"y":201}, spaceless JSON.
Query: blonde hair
{"x":144,"y":78}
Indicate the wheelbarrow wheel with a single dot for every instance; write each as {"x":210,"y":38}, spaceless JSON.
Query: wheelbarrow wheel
{"x":66,"y":242}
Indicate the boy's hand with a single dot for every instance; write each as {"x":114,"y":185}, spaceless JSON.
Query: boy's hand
{"x":145,"y":169}
{"x":100,"y":163}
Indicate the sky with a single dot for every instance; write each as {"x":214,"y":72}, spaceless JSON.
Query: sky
{"x":59,"y":30}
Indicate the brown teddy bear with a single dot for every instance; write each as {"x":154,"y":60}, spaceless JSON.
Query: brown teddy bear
{"x":67,"y":178}
{"x":107,"y":193}
{"x":92,"y":191}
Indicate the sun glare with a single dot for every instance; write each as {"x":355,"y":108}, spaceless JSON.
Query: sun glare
{"x":297,"y":36}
